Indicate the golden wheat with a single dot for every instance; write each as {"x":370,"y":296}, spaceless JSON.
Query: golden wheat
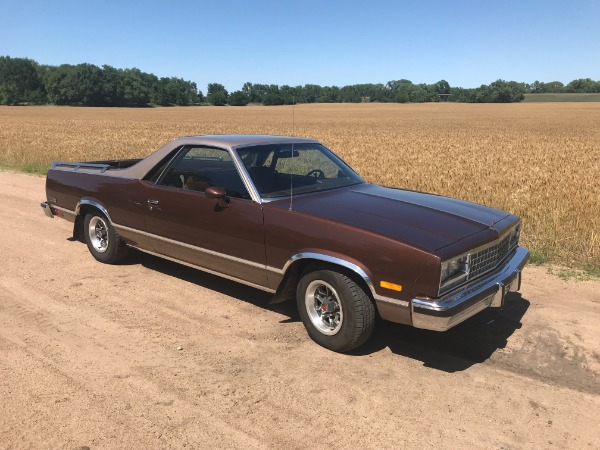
{"x":540,"y":161}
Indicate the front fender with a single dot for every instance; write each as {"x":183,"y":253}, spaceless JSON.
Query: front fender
{"x":346,"y":262}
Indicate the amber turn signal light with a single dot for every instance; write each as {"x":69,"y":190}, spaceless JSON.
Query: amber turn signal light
{"x":392,"y":286}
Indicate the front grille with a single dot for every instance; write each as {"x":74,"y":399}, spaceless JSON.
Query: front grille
{"x":482,"y":260}
{"x":488,"y":258}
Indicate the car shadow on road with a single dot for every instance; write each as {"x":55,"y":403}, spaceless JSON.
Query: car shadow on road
{"x":468,"y":343}
{"x":215,"y":283}
{"x":457,"y":349}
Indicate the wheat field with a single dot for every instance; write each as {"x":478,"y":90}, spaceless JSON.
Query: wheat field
{"x":540,"y":161}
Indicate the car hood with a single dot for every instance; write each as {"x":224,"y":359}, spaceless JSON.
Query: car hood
{"x":425,"y":221}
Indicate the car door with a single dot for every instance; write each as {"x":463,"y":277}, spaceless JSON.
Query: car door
{"x":224,"y":236}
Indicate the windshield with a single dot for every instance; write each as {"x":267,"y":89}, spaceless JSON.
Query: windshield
{"x":276,"y":169}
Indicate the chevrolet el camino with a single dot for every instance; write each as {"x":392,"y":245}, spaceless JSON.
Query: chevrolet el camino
{"x":286,"y":215}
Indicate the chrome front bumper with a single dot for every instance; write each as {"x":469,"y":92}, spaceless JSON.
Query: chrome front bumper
{"x":47,"y":210}
{"x":457,"y":306}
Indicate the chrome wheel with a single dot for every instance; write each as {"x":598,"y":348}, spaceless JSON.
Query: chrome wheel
{"x":324,"y":307}
{"x":98,"y":233}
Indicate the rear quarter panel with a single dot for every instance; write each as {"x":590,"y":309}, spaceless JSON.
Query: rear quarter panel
{"x":123,"y":198}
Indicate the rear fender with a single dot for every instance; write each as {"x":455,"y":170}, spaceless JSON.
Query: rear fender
{"x":83,"y":206}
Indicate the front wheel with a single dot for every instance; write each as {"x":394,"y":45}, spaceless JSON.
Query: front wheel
{"x":337,"y":312}
{"x":102,"y":240}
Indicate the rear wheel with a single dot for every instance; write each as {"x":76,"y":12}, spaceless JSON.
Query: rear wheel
{"x":336,"y":311}
{"x":102,"y":240}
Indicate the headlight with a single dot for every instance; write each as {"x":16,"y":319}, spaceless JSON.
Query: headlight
{"x":454,"y":270}
{"x":515,"y":234}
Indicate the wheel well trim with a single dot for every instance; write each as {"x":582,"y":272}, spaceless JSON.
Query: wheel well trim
{"x":348,"y":265}
{"x":330,"y":259}
{"x":95,"y":204}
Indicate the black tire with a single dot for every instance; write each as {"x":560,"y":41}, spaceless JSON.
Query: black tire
{"x":343,"y":331}
{"x":102,"y":240}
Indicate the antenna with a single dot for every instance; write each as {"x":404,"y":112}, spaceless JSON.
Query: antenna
{"x":292,"y":180}
{"x":293,"y":118}
{"x":292,"y":168}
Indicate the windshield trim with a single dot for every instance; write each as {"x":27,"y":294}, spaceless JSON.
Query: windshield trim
{"x":255,"y":193}
{"x":246,"y":178}
{"x":316,"y":191}
{"x":283,"y":197}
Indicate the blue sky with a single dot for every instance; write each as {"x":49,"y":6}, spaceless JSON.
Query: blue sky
{"x":467,"y":43}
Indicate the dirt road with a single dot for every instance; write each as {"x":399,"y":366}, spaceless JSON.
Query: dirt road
{"x":89,"y":359}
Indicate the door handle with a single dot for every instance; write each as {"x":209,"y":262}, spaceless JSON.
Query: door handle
{"x":152,"y":202}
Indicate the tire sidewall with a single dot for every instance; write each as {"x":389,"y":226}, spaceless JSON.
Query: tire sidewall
{"x":347,"y":332}
{"x":110,"y":255}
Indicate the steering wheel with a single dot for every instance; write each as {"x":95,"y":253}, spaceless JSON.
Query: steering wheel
{"x":317,"y":173}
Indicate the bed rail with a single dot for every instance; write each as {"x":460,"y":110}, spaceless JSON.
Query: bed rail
{"x":81,"y":165}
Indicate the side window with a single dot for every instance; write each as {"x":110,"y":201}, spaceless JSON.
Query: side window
{"x":198,"y":168}
{"x":157,"y":171}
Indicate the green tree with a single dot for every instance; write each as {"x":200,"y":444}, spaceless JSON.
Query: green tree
{"x":127,"y":87}
{"x":238,"y":98}
{"x":163,"y":92}
{"x":442,"y":87}
{"x":461,"y":95}
{"x":20,"y":82}
{"x":174,"y":91}
{"x":499,"y":91}
{"x":442,"y":90}
{"x":272,"y":96}
{"x":401,"y":97}
{"x":9,"y":93}
{"x":553,"y":87}
{"x":421,"y":93}
{"x":400,"y":90}
{"x":329,"y":94}
{"x":217,"y":94}
{"x":350,"y":94}
{"x":583,"y":85}
{"x":289,"y":94}
{"x":507,"y":91}
{"x":311,"y":92}
{"x":137,"y":86}
{"x":75,"y":85}
{"x":252,"y":92}
{"x":537,"y":87}
{"x":112,"y":86}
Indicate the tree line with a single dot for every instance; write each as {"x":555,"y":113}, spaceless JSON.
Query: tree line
{"x":24,"y":81}
{"x":579,"y":86}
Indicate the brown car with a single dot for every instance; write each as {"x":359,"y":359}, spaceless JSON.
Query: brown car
{"x":286,"y":215}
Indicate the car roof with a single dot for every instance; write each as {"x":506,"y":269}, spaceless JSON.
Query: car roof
{"x":140,"y":169}
{"x":237,"y":140}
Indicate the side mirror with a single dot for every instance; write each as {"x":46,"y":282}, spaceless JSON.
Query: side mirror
{"x":218,"y":193}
